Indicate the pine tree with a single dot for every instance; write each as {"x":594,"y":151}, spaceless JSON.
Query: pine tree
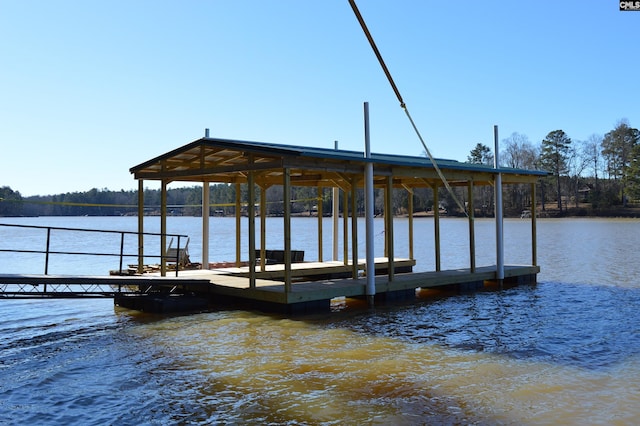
{"x":555,"y":152}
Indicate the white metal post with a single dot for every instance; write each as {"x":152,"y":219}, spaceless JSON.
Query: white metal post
{"x":205,"y":225}
{"x":371,"y":269}
{"x":336,"y":213}
{"x":498,"y":212}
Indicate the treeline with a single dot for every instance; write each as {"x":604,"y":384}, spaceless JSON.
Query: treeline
{"x":187,"y":201}
{"x":598,"y":176}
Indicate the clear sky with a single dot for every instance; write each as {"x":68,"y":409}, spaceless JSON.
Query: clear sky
{"x":89,"y":89}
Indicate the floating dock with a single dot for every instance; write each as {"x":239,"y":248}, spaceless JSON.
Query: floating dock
{"x":291,"y":284}
{"x":311,"y":292}
{"x":314,"y":295}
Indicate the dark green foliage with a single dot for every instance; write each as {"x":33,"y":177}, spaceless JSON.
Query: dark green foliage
{"x":553,"y":157}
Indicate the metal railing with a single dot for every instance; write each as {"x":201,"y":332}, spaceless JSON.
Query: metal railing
{"x":121,"y":254}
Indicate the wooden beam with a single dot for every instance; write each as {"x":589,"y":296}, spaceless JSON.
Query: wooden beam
{"x":472,"y":232}
{"x":287,"y":229}
{"x":320,"y":217}
{"x":251,"y":219}
{"x":163,"y":227}
{"x":238,"y":224}
{"x":345,"y":226}
{"x":354,"y":231}
{"x":389,"y":234}
{"x":436,"y":225}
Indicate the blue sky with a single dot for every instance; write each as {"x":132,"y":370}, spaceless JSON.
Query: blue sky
{"x":89,"y":89}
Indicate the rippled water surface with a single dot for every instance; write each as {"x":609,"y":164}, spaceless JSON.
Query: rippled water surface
{"x":564,"y":351}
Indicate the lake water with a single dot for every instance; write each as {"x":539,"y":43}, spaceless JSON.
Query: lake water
{"x":564,"y":351}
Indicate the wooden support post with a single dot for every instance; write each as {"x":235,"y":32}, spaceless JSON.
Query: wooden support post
{"x":320,"y":215}
{"x":251,"y":216}
{"x":354,"y":229}
{"x":263,"y":228}
{"x":410,"y":207}
{"x":140,"y":226}
{"x":345,"y":226}
{"x":238,"y":224}
{"x":385,"y":202}
{"x":472,"y":233}
{"x":436,"y":224}
{"x":163,"y":228}
{"x":287,"y":229}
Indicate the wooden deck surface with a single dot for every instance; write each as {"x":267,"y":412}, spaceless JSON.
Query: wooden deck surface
{"x":229,"y":283}
{"x":235,"y":283}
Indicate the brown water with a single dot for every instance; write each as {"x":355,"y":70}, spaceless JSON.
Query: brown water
{"x":564,"y":351}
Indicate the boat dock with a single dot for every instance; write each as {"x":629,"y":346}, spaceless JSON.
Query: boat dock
{"x":281,"y":279}
{"x":231,"y":285}
{"x":313,"y":295}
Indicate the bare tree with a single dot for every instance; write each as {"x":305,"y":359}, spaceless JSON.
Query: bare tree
{"x":577,"y":163}
{"x":519,"y":153}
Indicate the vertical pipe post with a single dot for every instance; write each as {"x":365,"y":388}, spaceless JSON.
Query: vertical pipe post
{"x":498,"y":213}
{"x":177,"y":258}
{"x":388,"y":214}
{"x":472,"y":232}
{"x":206,"y":202}
{"x":140,"y":226}
{"x":336,"y":213}
{"x":121,"y":252}
{"x":46,"y":255}
{"x":436,"y":224}
{"x":368,"y":212}
{"x":534,"y":233}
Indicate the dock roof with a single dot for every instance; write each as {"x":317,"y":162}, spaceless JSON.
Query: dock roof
{"x":230,"y":161}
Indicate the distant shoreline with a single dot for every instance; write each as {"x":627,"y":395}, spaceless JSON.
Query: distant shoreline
{"x":551,"y":213}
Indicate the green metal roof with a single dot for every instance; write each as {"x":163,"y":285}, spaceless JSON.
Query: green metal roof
{"x":231,"y":161}
{"x":335,"y":154}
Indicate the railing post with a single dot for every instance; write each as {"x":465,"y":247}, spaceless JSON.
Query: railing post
{"x":121,"y":251}
{"x":178,"y":256}
{"x":46,"y":256}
